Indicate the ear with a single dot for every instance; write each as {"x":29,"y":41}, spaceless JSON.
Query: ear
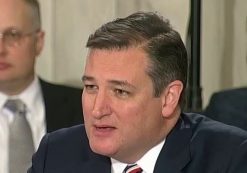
{"x":40,"y":37}
{"x":170,"y":98}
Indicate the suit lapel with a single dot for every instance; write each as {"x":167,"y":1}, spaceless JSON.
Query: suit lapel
{"x":175,"y":153}
{"x":97,"y":164}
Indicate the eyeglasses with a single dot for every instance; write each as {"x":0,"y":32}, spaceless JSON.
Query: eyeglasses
{"x":12,"y":37}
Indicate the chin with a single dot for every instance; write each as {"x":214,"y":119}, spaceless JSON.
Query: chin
{"x":103,"y":148}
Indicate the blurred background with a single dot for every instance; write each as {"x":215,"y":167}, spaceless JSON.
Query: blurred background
{"x":223,"y":37}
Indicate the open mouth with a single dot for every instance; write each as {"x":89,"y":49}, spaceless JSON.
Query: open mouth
{"x":104,"y":129}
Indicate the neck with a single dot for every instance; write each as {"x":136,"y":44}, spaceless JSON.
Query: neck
{"x":14,"y":87}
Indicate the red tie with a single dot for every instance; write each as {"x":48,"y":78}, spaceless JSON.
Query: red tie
{"x":132,"y":169}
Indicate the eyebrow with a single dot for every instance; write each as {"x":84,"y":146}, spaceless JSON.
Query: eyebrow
{"x":87,"y":78}
{"x":11,"y":28}
{"x":114,"y":82}
{"x":122,"y":83}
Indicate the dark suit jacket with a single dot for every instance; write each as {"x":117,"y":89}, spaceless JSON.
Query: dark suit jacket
{"x":62,"y":105}
{"x":229,"y":107}
{"x":196,"y":145}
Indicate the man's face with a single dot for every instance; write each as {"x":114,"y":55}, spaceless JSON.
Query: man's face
{"x":123,"y":119}
{"x":17,"y":61}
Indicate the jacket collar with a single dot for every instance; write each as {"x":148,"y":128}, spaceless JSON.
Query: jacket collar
{"x":175,"y":153}
{"x":97,"y":163}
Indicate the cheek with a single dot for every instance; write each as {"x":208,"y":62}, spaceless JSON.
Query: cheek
{"x":135,"y":122}
{"x":131,"y":113}
{"x":145,"y":112}
{"x":86,"y":113}
{"x":87,"y":105}
{"x":24,"y":57}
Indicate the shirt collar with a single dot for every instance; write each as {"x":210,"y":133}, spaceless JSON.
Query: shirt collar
{"x":30,"y":96}
{"x":117,"y":167}
{"x":147,"y":162}
{"x":3,"y":99}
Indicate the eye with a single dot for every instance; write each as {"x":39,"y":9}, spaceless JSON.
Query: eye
{"x":12,"y":35}
{"x":90,"y":88}
{"x":121,"y":93}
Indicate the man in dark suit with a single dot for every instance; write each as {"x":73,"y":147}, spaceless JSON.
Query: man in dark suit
{"x":45,"y":107}
{"x":133,"y":95}
{"x":62,"y":105}
{"x":229,"y":107}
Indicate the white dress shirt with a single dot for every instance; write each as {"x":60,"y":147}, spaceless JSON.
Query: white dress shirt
{"x":32,"y":97}
{"x":147,"y":162}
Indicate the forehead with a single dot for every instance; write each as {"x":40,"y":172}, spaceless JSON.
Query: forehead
{"x":14,"y":13}
{"x":125,"y":64}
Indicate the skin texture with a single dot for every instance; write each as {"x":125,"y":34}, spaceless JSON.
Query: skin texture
{"x":123,"y":119}
{"x":17,"y":63}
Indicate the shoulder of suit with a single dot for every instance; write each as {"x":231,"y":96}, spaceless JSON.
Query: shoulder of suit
{"x":203,"y":125}
{"x":76,"y":134}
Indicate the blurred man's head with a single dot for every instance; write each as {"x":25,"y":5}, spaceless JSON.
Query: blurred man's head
{"x":21,"y":41}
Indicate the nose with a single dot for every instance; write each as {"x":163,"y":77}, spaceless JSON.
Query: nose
{"x":101,"y":105}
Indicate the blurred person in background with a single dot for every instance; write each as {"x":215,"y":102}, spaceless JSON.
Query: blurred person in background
{"x":229,"y":106}
{"x":47,"y":107}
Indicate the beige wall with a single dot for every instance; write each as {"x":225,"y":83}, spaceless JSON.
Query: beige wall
{"x":224,"y":36}
{"x":224,"y":45}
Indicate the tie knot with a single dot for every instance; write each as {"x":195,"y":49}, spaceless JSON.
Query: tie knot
{"x":134,"y":168}
{"x":15,"y":106}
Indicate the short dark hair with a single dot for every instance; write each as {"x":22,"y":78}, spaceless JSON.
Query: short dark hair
{"x":35,"y":12}
{"x":163,"y":45}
